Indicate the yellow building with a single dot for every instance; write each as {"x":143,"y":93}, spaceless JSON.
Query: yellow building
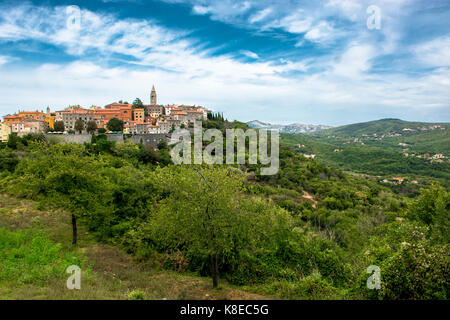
{"x":5,"y":131}
{"x":50,"y":122}
{"x":138,"y":115}
{"x":31,"y":114}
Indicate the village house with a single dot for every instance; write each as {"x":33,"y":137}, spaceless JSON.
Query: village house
{"x":27,"y":126}
{"x":398,"y":180}
{"x":5,"y":131}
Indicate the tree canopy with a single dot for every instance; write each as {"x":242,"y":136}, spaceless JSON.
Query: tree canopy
{"x":115,"y":124}
{"x":137,"y":103}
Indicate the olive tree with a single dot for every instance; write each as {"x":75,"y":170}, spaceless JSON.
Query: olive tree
{"x":204,"y":209}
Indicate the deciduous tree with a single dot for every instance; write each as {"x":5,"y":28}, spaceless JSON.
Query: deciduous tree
{"x":115,"y":125}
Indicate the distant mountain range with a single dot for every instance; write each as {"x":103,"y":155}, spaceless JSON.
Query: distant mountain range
{"x":290,"y":128}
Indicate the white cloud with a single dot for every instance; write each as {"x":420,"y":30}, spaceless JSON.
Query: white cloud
{"x":4,"y":60}
{"x":296,"y":23}
{"x":354,"y":61}
{"x":240,"y":95}
{"x":350,"y":8}
{"x":260,"y":15}
{"x":224,"y":10}
{"x":435,"y":53}
{"x":201,"y":10}
{"x":321,"y":32}
{"x":250,"y":54}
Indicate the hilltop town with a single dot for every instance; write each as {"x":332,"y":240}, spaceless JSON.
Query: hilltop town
{"x":117,"y":117}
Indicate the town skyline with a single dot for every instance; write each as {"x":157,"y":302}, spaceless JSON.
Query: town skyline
{"x":129,"y":118}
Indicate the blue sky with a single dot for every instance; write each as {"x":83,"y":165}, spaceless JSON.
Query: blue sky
{"x":276,"y":61}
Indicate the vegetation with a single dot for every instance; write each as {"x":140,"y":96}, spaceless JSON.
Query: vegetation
{"x":79,"y":126}
{"x":29,"y":256}
{"x":137,"y":103}
{"x":59,"y":126}
{"x":308,"y":232}
{"x":91,"y":126}
{"x":106,"y":271}
{"x":115,"y":125}
{"x":385,"y":148}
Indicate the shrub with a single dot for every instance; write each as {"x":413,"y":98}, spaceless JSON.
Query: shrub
{"x":136,"y":295}
{"x":8,"y":160}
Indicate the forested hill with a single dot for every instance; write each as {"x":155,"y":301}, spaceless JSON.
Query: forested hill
{"x":387,"y":147}
{"x":384,"y":127}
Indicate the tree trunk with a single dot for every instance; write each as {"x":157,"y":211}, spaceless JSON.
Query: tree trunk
{"x":74,"y":229}
{"x":214,"y":270}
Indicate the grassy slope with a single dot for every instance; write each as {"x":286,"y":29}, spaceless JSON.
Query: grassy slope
{"x":113,"y":273}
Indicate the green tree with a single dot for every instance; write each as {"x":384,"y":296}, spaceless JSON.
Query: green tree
{"x":137,"y":103}
{"x":79,"y":125}
{"x":13,"y":141}
{"x":8,"y":160}
{"x":432,"y":208}
{"x":205,"y":213}
{"x":115,"y":125}
{"x":91,"y":126}
{"x":162,"y":145}
{"x":75,"y":183}
{"x":59,"y":126}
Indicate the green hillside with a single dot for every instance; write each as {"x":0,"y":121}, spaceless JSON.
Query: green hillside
{"x":384,"y":147}
{"x":379,"y":127}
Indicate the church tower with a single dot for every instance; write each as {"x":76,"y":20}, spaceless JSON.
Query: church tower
{"x":153,"y":97}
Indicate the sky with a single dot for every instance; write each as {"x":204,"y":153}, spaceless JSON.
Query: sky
{"x":331,"y":62}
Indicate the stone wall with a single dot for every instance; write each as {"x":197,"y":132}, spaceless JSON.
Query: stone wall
{"x":115,"y":137}
{"x":149,"y":139}
{"x":146,"y":139}
{"x":69,"y":138}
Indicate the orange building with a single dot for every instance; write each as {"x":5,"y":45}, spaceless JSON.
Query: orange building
{"x":11,"y":119}
{"x":121,"y":111}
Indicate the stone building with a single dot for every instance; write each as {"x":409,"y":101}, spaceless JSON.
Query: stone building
{"x":153,"y":111}
{"x":5,"y":131}
{"x":70,"y":115}
{"x":27,"y":126}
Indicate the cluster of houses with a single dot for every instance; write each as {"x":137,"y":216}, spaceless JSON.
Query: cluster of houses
{"x":399,"y":180}
{"x":438,"y":157}
{"x":141,"y":119}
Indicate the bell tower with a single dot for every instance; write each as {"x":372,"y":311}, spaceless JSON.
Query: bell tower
{"x":153,"y":96}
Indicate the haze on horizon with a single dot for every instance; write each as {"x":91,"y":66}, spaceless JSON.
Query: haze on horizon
{"x":280,"y":62}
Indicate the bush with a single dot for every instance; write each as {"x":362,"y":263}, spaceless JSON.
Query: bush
{"x":8,"y":160}
{"x":412,"y":266}
{"x":136,"y":295}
